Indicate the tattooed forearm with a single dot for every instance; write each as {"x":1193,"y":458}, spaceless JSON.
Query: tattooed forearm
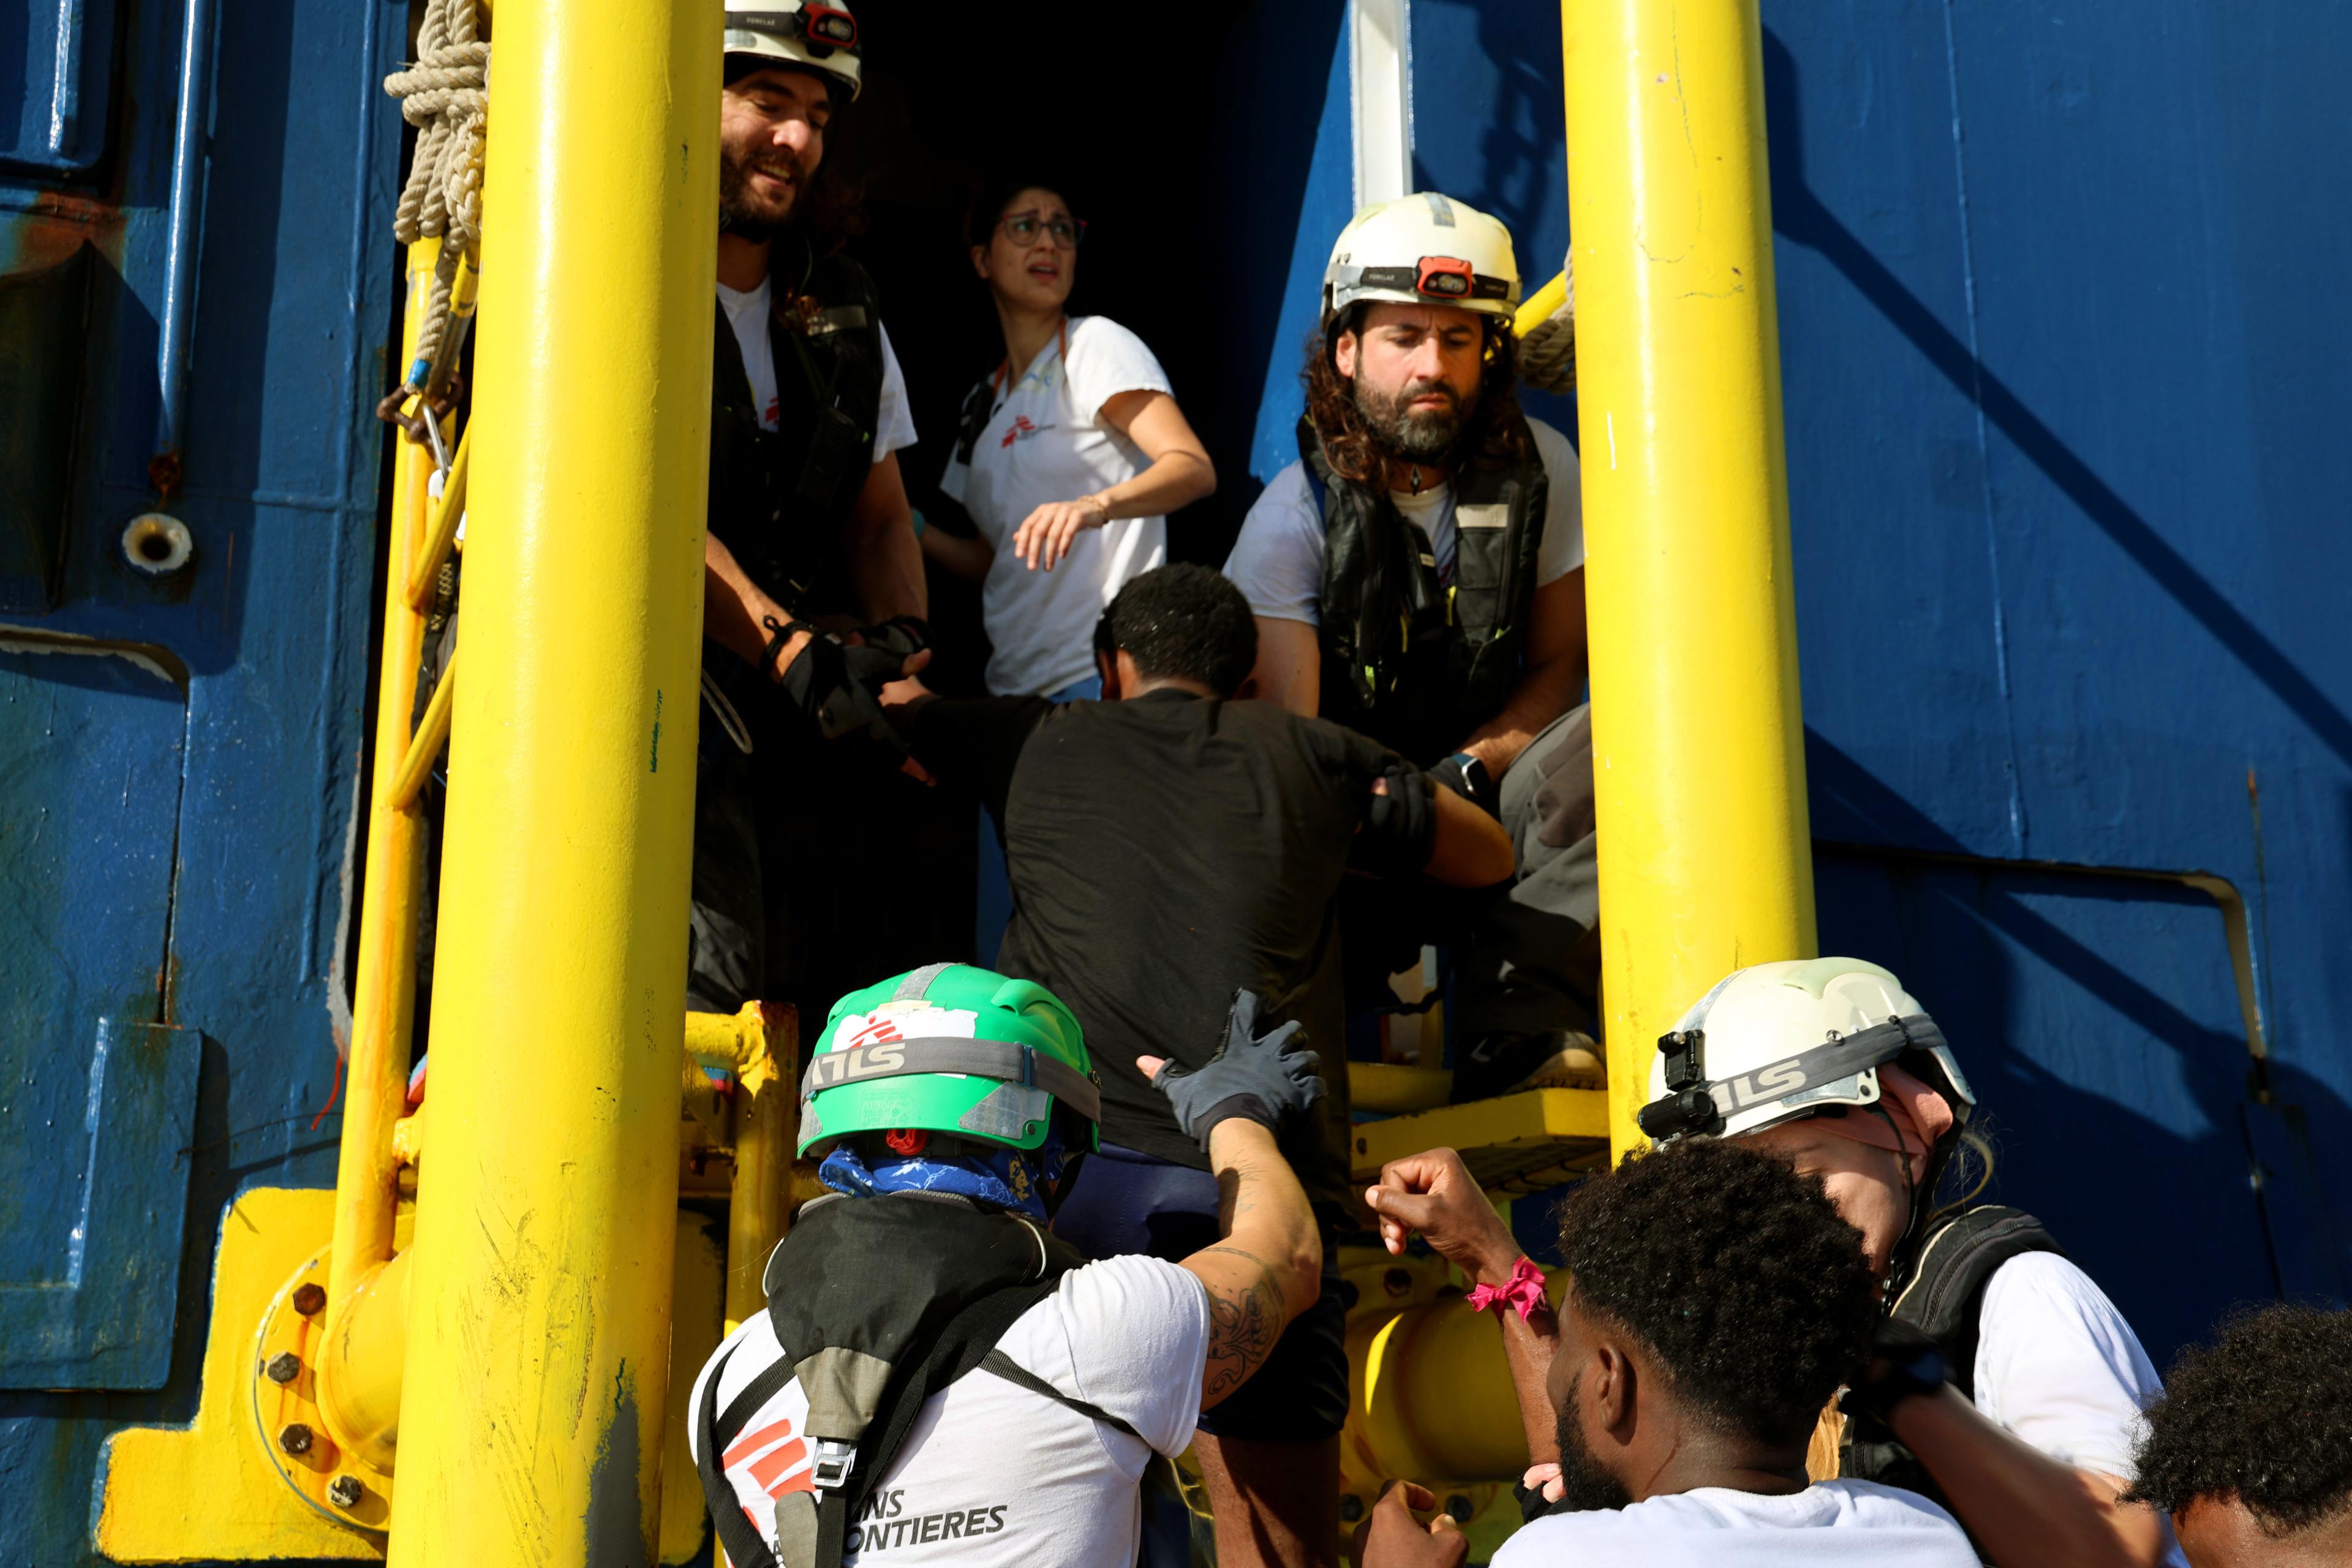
{"x":1244,"y":1324}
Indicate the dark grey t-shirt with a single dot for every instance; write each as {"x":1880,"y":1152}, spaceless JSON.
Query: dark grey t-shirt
{"x":1165,"y":852}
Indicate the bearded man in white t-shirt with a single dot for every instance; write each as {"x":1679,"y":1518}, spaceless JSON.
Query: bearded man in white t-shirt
{"x":809,"y":559}
{"x":1418,"y":576}
{"x":1714,"y":1302}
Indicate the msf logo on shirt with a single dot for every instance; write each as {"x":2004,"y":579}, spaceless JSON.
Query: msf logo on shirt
{"x":771,"y":1460}
{"x":1021,"y":429}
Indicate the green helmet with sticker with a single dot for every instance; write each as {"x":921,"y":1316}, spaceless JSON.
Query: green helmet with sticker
{"x":955,"y":1049}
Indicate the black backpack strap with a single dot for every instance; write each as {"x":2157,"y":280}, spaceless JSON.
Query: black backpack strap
{"x":746,"y":1547}
{"x":1013,"y":1372}
{"x":1957,"y":1258}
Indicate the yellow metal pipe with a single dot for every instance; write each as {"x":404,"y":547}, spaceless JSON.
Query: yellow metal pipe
{"x":767,"y":1122}
{"x":362,"y":1360}
{"x":539,"y":1290}
{"x":416,"y":762}
{"x":384,"y":988}
{"x":1697,"y":751}
{"x":447,"y":512}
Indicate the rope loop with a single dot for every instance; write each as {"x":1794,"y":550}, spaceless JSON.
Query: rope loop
{"x":446,"y":95}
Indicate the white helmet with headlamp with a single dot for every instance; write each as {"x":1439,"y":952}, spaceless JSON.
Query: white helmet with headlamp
{"x":1424,"y":249}
{"x":1777,"y":1041}
{"x":822,"y":38}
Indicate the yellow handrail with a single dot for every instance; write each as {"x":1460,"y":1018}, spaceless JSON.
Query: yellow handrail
{"x":417,"y":763}
{"x":448,"y":514}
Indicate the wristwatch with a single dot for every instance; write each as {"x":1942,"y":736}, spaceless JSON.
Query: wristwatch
{"x":1466,"y":776}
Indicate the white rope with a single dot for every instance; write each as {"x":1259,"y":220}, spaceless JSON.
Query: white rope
{"x":446,"y":95}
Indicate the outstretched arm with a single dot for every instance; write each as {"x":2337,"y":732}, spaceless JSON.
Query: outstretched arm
{"x":1436,"y":1194}
{"x":1268,"y":1267}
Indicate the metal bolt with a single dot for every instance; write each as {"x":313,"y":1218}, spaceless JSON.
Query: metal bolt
{"x":345,"y":1491}
{"x":309,"y":1298}
{"x":284,"y":1367}
{"x":1351,"y":1507}
{"x":1459,"y":1505}
{"x":294,"y":1437}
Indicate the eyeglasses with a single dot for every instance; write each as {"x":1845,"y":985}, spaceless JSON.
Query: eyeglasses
{"x":1022,"y":230}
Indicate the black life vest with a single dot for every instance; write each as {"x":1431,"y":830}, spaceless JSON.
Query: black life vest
{"x":778,"y":498}
{"x":1411,"y":661}
{"x":1943,"y":1299}
{"x":879,"y":1303}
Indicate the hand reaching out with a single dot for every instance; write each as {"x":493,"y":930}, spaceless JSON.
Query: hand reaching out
{"x":1046,"y":534}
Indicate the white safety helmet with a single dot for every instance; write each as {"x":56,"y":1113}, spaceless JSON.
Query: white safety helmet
{"x":1424,"y":249}
{"x":1777,"y":1041}
{"x":821,"y":39}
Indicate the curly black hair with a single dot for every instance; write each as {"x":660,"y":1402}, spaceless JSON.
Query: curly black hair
{"x":1182,"y":622}
{"x":1734,"y":1272}
{"x":2222,"y":1428}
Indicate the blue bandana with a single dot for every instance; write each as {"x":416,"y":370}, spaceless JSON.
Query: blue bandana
{"x":1009,"y":1178}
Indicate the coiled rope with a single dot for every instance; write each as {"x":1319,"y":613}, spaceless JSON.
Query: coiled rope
{"x":1548,"y":352}
{"x":446,"y":95}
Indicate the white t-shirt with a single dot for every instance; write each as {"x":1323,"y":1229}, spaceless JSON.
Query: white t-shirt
{"x":894,"y":427}
{"x":1278,"y":561}
{"x":2057,"y":1365}
{"x":1046,"y":441}
{"x":991,"y":1475}
{"x":1828,"y":1525}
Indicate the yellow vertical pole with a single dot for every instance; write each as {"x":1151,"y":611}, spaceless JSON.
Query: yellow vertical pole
{"x":1698,"y":760}
{"x":383,"y":993}
{"x":539,"y":1290}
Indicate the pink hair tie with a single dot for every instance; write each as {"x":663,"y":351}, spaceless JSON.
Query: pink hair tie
{"x":1525,"y":1291}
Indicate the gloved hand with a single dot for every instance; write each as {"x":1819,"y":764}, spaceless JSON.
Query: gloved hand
{"x":1466,"y":776}
{"x":836,"y":686}
{"x":1902,"y":1362}
{"x":1401,"y":827}
{"x":1259,"y":1077}
{"x":902,"y":636}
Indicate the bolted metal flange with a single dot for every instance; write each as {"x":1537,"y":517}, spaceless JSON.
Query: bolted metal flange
{"x":310,"y":1298}
{"x":345,"y":1491}
{"x":295,"y":1437}
{"x":284,"y":1367}
{"x":288,"y":1426}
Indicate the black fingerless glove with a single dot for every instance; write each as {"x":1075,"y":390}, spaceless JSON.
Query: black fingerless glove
{"x":1400,"y":829}
{"x":1265,"y":1078}
{"x":837,"y":688}
{"x":1902,"y":1362}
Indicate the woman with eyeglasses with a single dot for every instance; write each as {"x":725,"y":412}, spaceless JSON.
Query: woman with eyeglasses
{"x":1069,"y":458}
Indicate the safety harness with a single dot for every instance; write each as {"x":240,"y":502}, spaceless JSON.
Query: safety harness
{"x":1944,"y":1299}
{"x":1409,"y":659}
{"x":777,"y":497}
{"x":879,"y":1303}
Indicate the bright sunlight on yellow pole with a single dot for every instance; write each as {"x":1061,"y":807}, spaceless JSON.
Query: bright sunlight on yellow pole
{"x":539,"y":1326}
{"x":1697,"y":745}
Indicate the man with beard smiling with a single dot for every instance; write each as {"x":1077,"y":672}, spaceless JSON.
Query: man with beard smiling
{"x":809,"y":559}
{"x":1716,"y":1301}
{"x":1418,"y":576}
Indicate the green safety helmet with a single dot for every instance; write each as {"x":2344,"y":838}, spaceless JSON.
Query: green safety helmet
{"x":955,"y":1049}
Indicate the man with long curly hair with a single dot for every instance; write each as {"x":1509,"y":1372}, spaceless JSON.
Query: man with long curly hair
{"x":1418,"y":575}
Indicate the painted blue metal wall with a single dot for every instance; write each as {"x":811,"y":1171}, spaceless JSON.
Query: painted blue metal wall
{"x":175,"y":826}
